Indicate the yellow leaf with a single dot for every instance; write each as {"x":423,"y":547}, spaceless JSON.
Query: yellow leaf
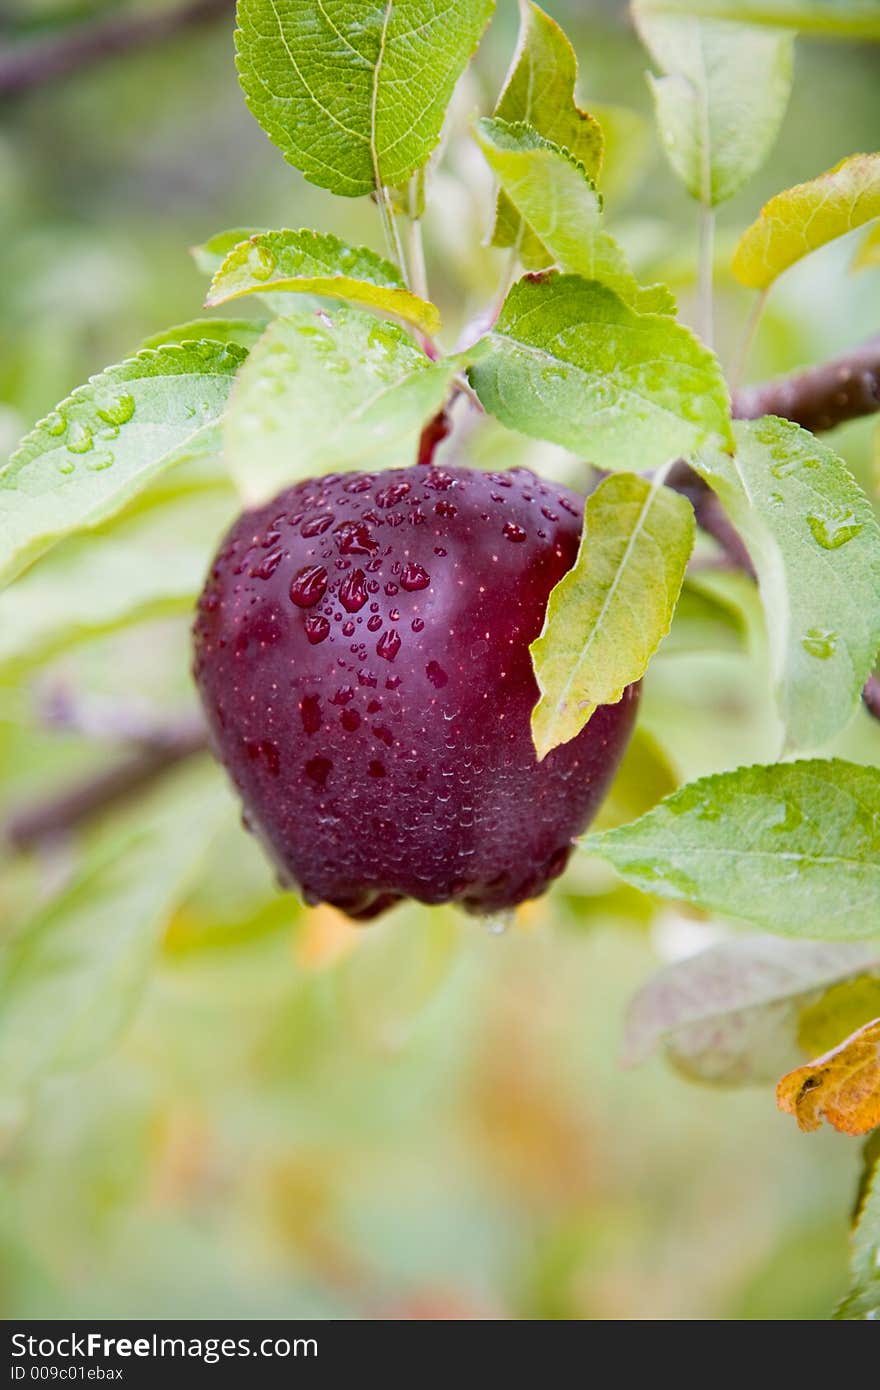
{"x":808,"y":216}
{"x":842,"y":1086}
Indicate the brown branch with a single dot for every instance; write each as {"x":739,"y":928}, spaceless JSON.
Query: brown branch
{"x":24,"y":66}
{"x":53,"y":818}
{"x":822,"y":397}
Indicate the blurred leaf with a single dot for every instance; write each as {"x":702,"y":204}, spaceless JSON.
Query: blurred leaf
{"x":730,"y":1014}
{"x":644,"y":777}
{"x":107,"y":441}
{"x":568,"y":361}
{"x":563,"y":210}
{"x":355,"y":96}
{"x":711,"y":613}
{"x":140,"y":566}
{"x":847,"y":19}
{"x":398,"y":967}
{"x":318,"y":263}
{"x":323,"y":393}
{"x":868,"y":254}
{"x":627,"y":149}
{"x":539,"y":89}
{"x":815,"y":545}
{"x":71,"y":976}
{"x":790,"y":847}
{"x":721,"y":100}
{"x":842,"y":1086}
{"x":863,"y":1300}
{"x":244,"y":332}
{"x":608,"y":614}
{"x":840,"y":1011}
{"x":808,"y":216}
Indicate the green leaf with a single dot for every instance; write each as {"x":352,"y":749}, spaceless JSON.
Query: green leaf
{"x":608,"y":615}
{"x":815,"y":545}
{"x":862,"y":1303}
{"x":539,"y":89}
{"x":730,"y":1014}
{"x":324,"y":392}
{"x":107,"y":441}
{"x":808,"y":216}
{"x":317,"y":263}
{"x":568,"y":361}
{"x":354,"y":95}
{"x":150,"y":563}
{"x":563,"y":210}
{"x":790,"y":847}
{"x":209,"y":255}
{"x":845,"y":19}
{"x":71,"y":976}
{"x":721,"y":100}
{"x":244,"y":332}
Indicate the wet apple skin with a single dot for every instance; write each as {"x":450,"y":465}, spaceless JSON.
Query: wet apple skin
{"x":362,"y":654}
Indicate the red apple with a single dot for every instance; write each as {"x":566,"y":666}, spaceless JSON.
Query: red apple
{"x":362,"y":651}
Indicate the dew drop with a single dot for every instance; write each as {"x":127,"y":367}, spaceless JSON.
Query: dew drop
{"x":268,"y":565}
{"x":308,"y":585}
{"x":499,"y":922}
{"x":103,"y":459}
{"x":350,"y":720}
{"x":66,"y":466}
{"x":388,"y":644}
{"x":79,"y":440}
{"x":819,"y":643}
{"x":117,"y":411}
{"x":56,"y":424}
{"x":343,"y":695}
{"x":436,"y":675}
{"x":417,"y":625}
{"x":513,"y":532}
{"x":355,"y":538}
{"x":833,"y":529}
{"x":317,"y":628}
{"x":413,"y":578}
{"x":353,"y":591}
{"x":317,"y":525}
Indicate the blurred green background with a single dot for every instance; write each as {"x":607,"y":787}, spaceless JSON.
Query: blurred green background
{"x":267,"y":1112}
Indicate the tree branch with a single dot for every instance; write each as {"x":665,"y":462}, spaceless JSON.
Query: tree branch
{"x":822,"y":397}
{"x":44,"y":821}
{"x":24,"y":66}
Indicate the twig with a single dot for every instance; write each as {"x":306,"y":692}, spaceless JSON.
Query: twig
{"x":24,"y":66}
{"x":820,"y":397}
{"x":53,"y":818}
